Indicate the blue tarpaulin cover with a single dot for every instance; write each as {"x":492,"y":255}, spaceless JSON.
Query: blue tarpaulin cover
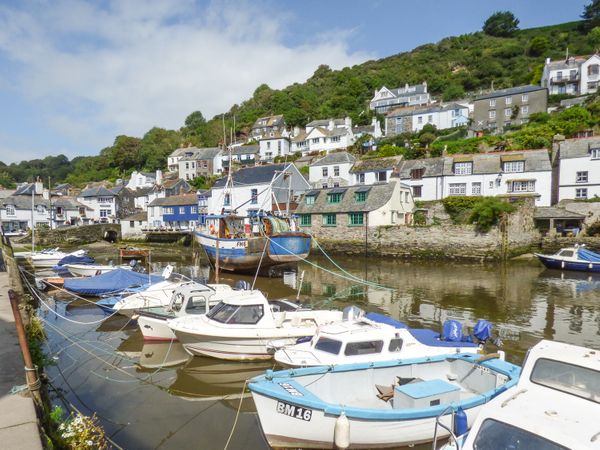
{"x":60,"y":268}
{"x":109,"y":282}
{"x":588,"y":255}
{"x":375,"y":317}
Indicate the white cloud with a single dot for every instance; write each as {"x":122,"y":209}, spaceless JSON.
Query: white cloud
{"x":96,"y":70}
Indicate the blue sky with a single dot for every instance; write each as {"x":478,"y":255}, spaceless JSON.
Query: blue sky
{"x":74,"y":74}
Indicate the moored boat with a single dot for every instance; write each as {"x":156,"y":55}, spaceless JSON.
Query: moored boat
{"x":112,"y":282}
{"x":243,"y":327}
{"x":47,"y":259}
{"x":375,"y":405}
{"x":572,"y":258}
{"x":133,"y":252}
{"x":90,"y":270}
{"x":554,"y":406}
{"x":373,"y":337}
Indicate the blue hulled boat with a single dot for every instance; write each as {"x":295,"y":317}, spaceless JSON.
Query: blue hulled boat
{"x":572,"y":258}
{"x":243,"y":244}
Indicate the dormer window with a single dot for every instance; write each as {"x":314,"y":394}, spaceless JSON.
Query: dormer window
{"x":463,"y":168}
{"x":334,"y":197}
{"x":513,"y":166}
{"x":417,"y":174}
{"x":595,"y":153}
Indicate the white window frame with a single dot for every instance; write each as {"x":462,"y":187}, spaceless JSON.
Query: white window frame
{"x":524,"y":98}
{"x":524,"y":110}
{"x":508,"y":101}
{"x":581,"y":193}
{"x":513,"y":166}
{"x":10,"y":210}
{"x":522,"y":186}
{"x":457,"y":189}
{"x":507,"y":112}
{"x":463,"y":168}
{"x":492,"y":114}
{"x":582,"y":177}
{"x":336,"y":171}
{"x":492,"y":102}
{"x":595,"y":153}
{"x":476,"y":188}
{"x":325,"y":172}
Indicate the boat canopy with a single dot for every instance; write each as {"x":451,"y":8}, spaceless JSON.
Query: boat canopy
{"x":588,"y":255}
{"x":109,"y":282}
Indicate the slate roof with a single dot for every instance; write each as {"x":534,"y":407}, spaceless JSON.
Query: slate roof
{"x":24,"y":202}
{"x":25,"y":189}
{"x":68,"y":203}
{"x":552,"y":212}
{"x":571,"y":63}
{"x":578,"y":148}
{"x":179,"y":152}
{"x":175,"y":200}
{"x":271,"y":121}
{"x":377,"y":196}
{"x":142,"y":192}
{"x":489,"y":163}
{"x":511,"y":91}
{"x":412,"y":90}
{"x":325,"y":123}
{"x":413,"y":110}
{"x":376,"y":164}
{"x":244,"y":150}
{"x":252,"y":175}
{"x":143,"y":216}
{"x":99,"y":191}
{"x":434,"y":167}
{"x":198,"y":154}
{"x":300,"y":137}
{"x":334,"y":158}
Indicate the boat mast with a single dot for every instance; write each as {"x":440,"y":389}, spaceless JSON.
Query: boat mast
{"x":32,"y":218}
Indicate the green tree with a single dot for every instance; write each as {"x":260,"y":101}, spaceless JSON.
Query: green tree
{"x":453,"y":92}
{"x":501,"y":24}
{"x":487,"y":212}
{"x":591,"y":15}
{"x":538,"y":46}
{"x":594,"y":36}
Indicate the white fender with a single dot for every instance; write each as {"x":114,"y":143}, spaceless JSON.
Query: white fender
{"x":341,"y":432}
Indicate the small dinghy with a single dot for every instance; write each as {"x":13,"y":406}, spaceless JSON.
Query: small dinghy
{"x":243,"y":326}
{"x":572,"y":258}
{"x":554,"y":406}
{"x":375,"y":405}
{"x":111,"y":282}
{"x":50,"y":258}
{"x":90,"y":270}
{"x":61,"y":267}
{"x":371,"y":337}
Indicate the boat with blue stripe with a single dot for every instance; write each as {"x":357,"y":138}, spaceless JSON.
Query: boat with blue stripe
{"x":242,"y":244}
{"x":379,"y":404}
{"x":576,"y":258}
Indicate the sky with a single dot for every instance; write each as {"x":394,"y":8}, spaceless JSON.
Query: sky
{"x":75,"y":74}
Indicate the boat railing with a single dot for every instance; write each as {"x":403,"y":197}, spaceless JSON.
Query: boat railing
{"x":438,"y":423}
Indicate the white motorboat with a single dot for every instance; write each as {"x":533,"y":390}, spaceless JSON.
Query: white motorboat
{"x":242,"y":327}
{"x":188,"y":298}
{"x":90,"y":270}
{"x":554,"y":406}
{"x":371,"y":337}
{"x":377,"y":404}
{"x":46,"y":259}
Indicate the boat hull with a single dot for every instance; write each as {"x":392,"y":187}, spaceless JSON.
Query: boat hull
{"x":84,"y":270}
{"x":556,"y":263}
{"x":155,"y":328}
{"x":243,"y":255}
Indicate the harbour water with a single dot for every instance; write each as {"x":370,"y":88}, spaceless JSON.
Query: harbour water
{"x":151,"y":396}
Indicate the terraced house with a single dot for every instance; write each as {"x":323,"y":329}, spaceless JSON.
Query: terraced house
{"x":577,"y":169}
{"x":332,"y":170}
{"x":177,"y":211}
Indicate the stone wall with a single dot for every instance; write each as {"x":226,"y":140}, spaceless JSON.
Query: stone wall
{"x":84,"y":234}
{"x":590,"y":209}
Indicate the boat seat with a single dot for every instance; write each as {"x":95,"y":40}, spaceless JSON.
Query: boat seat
{"x":387,"y":392}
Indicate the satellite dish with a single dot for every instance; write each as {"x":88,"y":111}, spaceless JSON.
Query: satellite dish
{"x":167,"y":272}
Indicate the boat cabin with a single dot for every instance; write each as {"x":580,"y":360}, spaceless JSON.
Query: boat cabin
{"x":239,"y":227}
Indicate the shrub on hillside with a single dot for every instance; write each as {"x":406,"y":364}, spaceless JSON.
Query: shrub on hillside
{"x":487,"y":212}
{"x":593,"y":229}
{"x":501,"y":24}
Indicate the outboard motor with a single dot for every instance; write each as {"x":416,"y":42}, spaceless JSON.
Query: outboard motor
{"x":452,"y":331}
{"x":482,"y":330}
{"x":352,"y":313}
{"x":242,"y":285}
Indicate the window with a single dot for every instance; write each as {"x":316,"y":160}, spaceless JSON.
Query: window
{"x":269,"y":145}
{"x":104,"y":199}
{"x":417,"y":191}
{"x":582,"y":177}
{"x":355,"y":218}
{"x":193,"y":165}
{"x":417,"y":174}
{"x":360,"y":197}
{"x":508,"y":101}
{"x":524,"y":110}
{"x":334,"y":198}
{"x":336,"y":171}
{"x":10,"y":210}
{"x":336,"y":184}
{"x":194,"y":210}
{"x":492,"y":115}
{"x":522,"y":186}
{"x":595,"y":153}
{"x":279,"y":147}
{"x":325,"y":172}
{"x":513,"y":166}
{"x":360,"y":177}
{"x":457,"y":189}
{"x":253,"y":196}
{"x":524,"y":98}
{"x":328,"y":345}
{"x":168,"y":210}
{"x":315,"y":140}
{"x":568,"y":378}
{"x":382,"y":176}
{"x":507,"y":112}
{"x":463,"y":168}
{"x":227,"y":200}
{"x":131,"y":223}
{"x":491,"y":185}
{"x":495,"y":434}
{"x":559,"y":75}
{"x":187,"y":165}
{"x":492,"y":102}
{"x":573,"y":74}
{"x":395,"y":345}
{"x":237,"y":314}
{"x":363,"y":348}
{"x":181,"y":210}
{"x":430,"y":118}
{"x":309,"y":199}
{"x":329,"y":220}
{"x":420,"y":119}
{"x":334,"y":139}
{"x":476,"y":189}
{"x":104,"y":213}
{"x":581,"y":193}
{"x":593,"y":69}
{"x":406,"y":197}
{"x":305,"y":220}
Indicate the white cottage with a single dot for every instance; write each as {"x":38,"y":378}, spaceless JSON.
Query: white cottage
{"x":377,"y":170}
{"x":576,"y":75}
{"x":578,"y":163}
{"x":274,"y":144}
{"x":333,"y":170}
{"x":324,"y":136}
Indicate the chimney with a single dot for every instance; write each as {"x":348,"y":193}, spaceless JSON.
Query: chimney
{"x":548,"y":61}
{"x":296,"y":130}
{"x":348,"y":122}
{"x":331,"y":125}
{"x":46,"y":194}
{"x":38,"y":187}
{"x":158,"y":177}
{"x":425,"y":86}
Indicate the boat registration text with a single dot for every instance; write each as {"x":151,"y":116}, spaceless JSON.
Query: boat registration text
{"x":294,"y":411}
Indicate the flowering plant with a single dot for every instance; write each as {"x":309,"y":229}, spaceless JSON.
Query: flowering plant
{"x":83,"y":432}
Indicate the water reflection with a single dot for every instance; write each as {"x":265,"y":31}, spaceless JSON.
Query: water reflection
{"x":148,"y":388}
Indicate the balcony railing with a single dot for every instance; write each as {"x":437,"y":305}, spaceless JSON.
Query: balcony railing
{"x":562,"y":80}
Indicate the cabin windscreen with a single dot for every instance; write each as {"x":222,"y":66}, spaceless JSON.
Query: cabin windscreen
{"x":568,"y":378}
{"x":236,"y":314}
{"x":494,"y":435}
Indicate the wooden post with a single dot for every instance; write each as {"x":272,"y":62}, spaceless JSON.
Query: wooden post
{"x":33,"y":381}
{"x":217,"y":263}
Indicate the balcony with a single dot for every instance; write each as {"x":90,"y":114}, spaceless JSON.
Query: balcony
{"x":565,"y":80}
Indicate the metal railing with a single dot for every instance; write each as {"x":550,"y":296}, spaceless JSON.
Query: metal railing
{"x":438,"y":423}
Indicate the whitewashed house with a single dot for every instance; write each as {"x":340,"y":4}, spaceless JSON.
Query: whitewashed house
{"x":102,"y":204}
{"x":578,"y":164}
{"x":371,"y":171}
{"x":413,"y":119}
{"x":332,"y":170}
{"x":264,"y":126}
{"x":576,"y":75}
{"x":243,"y":155}
{"x":373,"y":130}
{"x":274,"y":144}
{"x":141,"y":180}
{"x":324,"y":136}
{"x":425,"y":177}
{"x":342,"y":212}
{"x":174,"y":157}
{"x":197,"y":162}
{"x":133,"y":226}
{"x":386,"y":99}
{"x":259,"y":188}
